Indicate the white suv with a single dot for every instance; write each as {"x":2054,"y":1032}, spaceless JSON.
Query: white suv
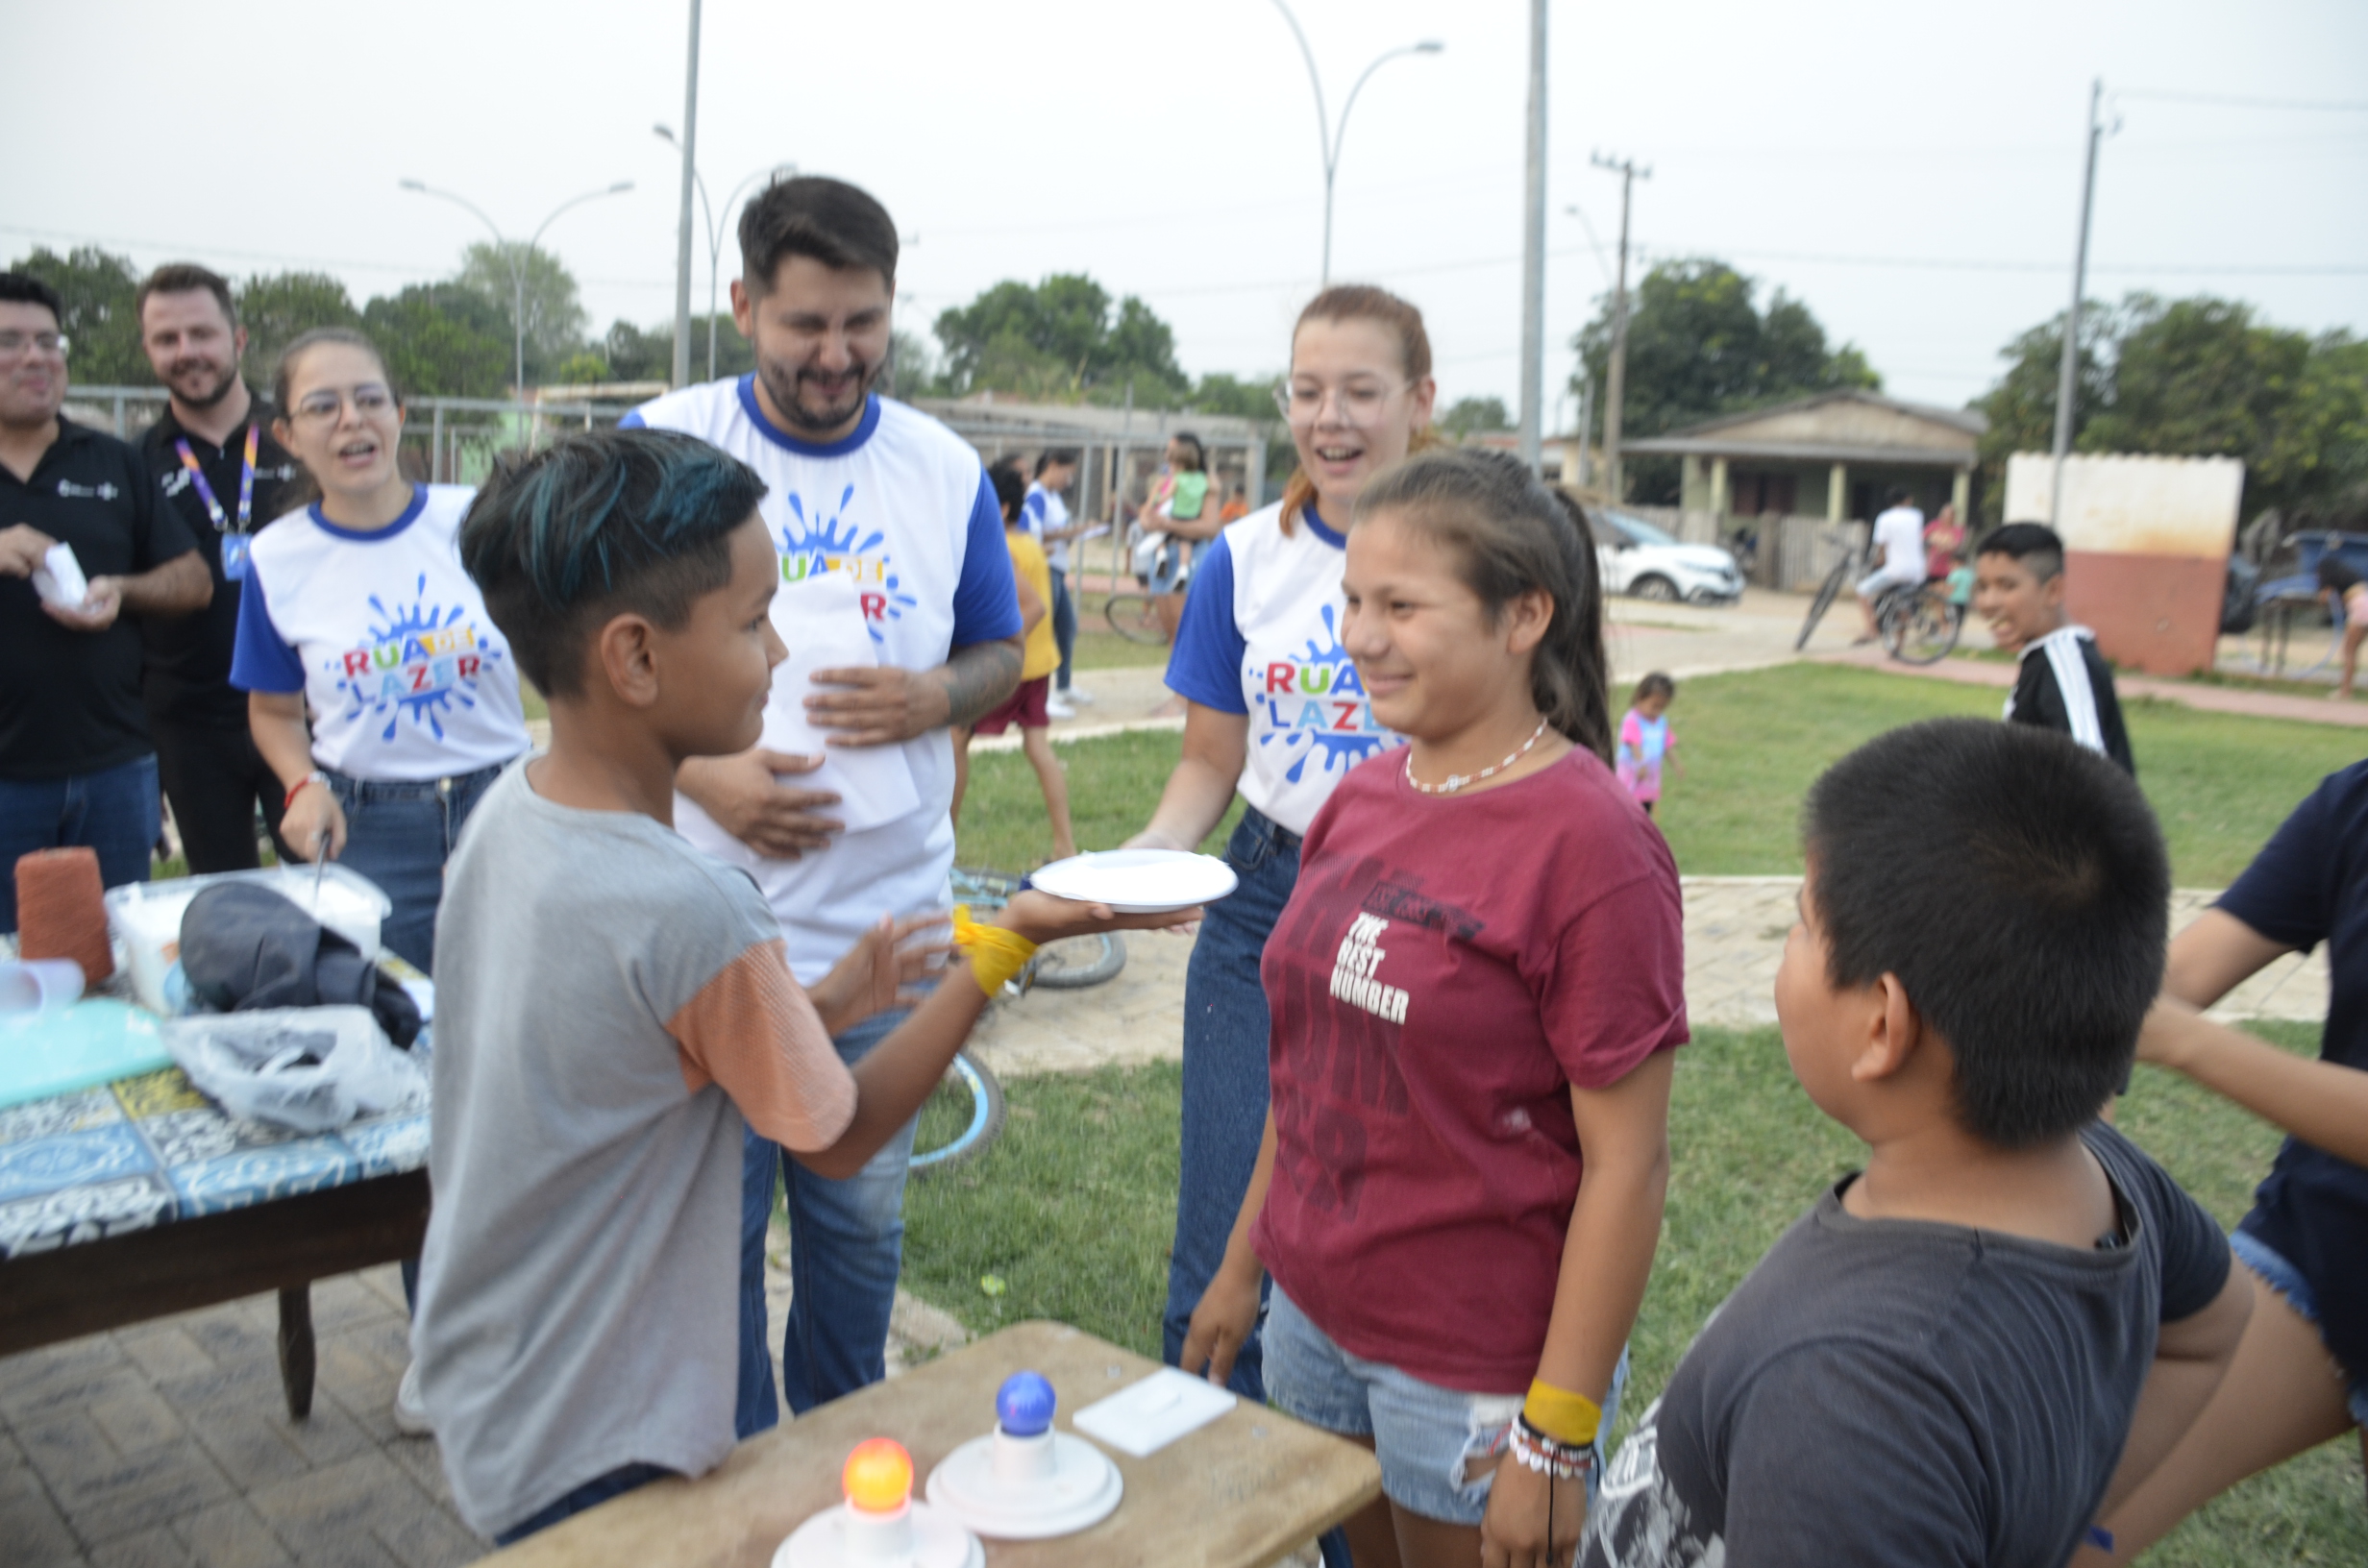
{"x":1639,"y":558}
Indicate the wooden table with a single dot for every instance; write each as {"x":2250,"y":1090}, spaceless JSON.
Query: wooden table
{"x":1238,"y":1493}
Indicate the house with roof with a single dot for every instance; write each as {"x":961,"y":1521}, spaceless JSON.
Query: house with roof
{"x":1835,"y":455}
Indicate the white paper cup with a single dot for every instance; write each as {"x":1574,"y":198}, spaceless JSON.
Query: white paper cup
{"x":39,"y":986}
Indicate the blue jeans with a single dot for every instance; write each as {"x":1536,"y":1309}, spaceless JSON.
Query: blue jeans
{"x":1063,"y":626}
{"x":1225,"y":1026}
{"x":114,"y":811}
{"x":846,"y":1245}
{"x":399,"y":835}
{"x":590,"y":1495}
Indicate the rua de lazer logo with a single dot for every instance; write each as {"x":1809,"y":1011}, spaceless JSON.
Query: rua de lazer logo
{"x":419,"y":659}
{"x":813,"y":544}
{"x":1316,"y":705}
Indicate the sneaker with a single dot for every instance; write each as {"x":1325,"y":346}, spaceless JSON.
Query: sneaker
{"x":1075,"y":693}
{"x":410,"y":1416}
{"x":1055,"y":708}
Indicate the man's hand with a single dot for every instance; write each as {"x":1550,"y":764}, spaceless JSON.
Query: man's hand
{"x":99,"y":608}
{"x":879,"y":706}
{"x":751,"y":803}
{"x":1513,"y":1530}
{"x":873,"y":977}
{"x":22,"y":548}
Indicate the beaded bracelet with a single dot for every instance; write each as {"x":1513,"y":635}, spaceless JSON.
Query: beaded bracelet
{"x":1550,"y":1456}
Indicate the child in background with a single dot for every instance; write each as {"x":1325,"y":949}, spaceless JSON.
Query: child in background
{"x":2341,"y":588}
{"x":1645,"y":740}
{"x":1027,"y":707}
{"x":2018,"y":589}
{"x":615,"y":1006}
{"x":1967,"y":1353}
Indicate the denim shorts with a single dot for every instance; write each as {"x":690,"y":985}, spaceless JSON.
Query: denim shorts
{"x":1427,"y":1438}
{"x":2288,"y":1281}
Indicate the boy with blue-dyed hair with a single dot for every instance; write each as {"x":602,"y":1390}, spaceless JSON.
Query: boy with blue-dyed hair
{"x":614,"y":1007}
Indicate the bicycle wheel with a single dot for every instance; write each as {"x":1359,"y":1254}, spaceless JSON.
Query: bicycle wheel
{"x":1135,"y":616}
{"x":1078,"y":962}
{"x":1921,"y":626}
{"x":1827,"y":593}
{"x":962,"y":1118}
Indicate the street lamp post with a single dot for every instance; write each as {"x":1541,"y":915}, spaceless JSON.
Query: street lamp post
{"x":514,"y":257}
{"x":715,"y":227}
{"x":1329,"y":135}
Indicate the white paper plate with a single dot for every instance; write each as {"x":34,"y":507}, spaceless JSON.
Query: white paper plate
{"x":1138,"y":881}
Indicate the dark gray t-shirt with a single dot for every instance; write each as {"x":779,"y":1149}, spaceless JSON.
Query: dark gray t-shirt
{"x":1885,"y":1392}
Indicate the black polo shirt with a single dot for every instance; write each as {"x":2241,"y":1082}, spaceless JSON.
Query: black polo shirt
{"x":70,"y":700}
{"x":188,"y":679}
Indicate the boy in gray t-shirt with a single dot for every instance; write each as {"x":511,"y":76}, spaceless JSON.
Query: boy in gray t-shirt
{"x":612,"y":1004}
{"x":1966,"y":1352}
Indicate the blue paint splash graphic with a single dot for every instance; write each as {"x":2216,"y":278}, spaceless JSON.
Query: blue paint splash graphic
{"x":1334,"y":748}
{"x":403,"y":628}
{"x":810,"y":545}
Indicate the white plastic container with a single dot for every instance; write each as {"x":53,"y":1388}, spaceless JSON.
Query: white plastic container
{"x":146,"y":915}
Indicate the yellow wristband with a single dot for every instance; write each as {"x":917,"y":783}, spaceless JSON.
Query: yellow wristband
{"x":1563,"y":1415}
{"x":995,"y":954}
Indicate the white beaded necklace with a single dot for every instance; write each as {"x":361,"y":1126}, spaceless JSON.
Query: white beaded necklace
{"x":1457,"y":781}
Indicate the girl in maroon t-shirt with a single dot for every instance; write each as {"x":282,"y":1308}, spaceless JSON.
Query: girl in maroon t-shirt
{"x":1474,"y":988}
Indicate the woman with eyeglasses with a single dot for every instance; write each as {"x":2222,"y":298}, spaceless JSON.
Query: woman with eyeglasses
{"x":1273,"y":710}
{"x":357,"y":613}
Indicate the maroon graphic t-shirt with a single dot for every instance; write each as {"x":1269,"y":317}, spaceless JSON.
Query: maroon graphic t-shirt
{"x":1445,"y":970}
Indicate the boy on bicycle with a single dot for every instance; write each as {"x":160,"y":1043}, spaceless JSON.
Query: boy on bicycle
{"x":1899,"y":540}
{"x":2018,"y":588}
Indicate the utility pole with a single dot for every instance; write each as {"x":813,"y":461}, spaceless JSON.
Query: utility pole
{"x":1533,"y":252}
{"x":2067,"y":381}
{"x":1614,"y":381}
{"x":690,"y":179}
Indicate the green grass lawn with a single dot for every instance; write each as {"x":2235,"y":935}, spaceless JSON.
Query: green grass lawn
{"x":1113,"y":781}
{"x":1068,"y":1217}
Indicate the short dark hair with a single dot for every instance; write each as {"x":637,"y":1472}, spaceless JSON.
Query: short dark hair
{"x":1656,"y":684}
{"x":1200,"y":454}
{"x":835,"y":223}
{"x":186,"y":278}
{"x":2336,"y":573}
{"x":2030,"y":935}
{"x":1510,"y":534}
{"x":1896,"y":495}
{"x":24,"y":288}
{"x":599,"y":524}
{"x":1010,"y":488}
{"x":2035,"y":545}
{"x":1055,"y":454}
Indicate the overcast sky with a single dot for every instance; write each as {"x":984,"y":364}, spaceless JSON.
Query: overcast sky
{"x":1172,"y":151}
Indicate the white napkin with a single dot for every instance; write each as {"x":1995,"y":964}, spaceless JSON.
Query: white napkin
{"x":60,"y":580}
{"x":823,"y":623}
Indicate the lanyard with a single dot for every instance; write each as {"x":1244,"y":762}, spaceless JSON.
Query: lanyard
{"x":246,"y":481}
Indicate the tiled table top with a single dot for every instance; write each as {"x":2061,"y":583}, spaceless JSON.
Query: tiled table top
{"x":149,"y":1150}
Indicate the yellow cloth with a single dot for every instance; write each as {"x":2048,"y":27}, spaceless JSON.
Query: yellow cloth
{"x":995,"y":954}
{"x":1563,"y":1415}
{"x":1043,"y":654}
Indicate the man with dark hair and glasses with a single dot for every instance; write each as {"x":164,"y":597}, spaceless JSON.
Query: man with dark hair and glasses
{"x":77,"y":767}
{"x":876,"y":511}
{"x":214,"y":452}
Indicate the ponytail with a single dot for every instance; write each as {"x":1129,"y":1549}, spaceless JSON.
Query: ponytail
{"x":1511,"y":535}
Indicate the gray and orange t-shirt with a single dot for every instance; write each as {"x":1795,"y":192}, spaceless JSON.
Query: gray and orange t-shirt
{"x":611,"y":1004}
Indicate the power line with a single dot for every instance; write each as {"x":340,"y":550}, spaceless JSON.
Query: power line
{"x":2333,"y":106}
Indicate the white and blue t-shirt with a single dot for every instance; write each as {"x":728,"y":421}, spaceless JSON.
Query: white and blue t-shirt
{"x":1044,"y":509}
{"x":405,"y":675}
{"x":903,"y":506}
{"x":1261,"y":637}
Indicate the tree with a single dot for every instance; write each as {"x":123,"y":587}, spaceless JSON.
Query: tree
{"x":555,"y":315}
{"x":1698,"y":347}
{"x":99,"y":324}
{"x":1058,"y":341}
{"x":277,"y":308}
{"x":1470,"y":414}
{"x":441,"y":341}
{"x":2200,"y":377}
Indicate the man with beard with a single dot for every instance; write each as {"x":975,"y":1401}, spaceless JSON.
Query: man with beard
{"x":77,"y":767}
{"x":897,"y":506}
{"x":214,"y":455}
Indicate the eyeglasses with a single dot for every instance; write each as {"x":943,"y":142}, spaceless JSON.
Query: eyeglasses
{"x":44,"y":344}
{"x":322,"y":407}
{"x":1360,"y":402}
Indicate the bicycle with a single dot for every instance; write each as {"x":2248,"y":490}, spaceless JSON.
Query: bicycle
{"x":1850,"y":566}
{"x":1134,"y":614}
{"x":1920,"y":621}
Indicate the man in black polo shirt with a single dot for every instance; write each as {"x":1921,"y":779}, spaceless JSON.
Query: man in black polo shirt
{"x":76,"y":765}
{"x":221,"y":470}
